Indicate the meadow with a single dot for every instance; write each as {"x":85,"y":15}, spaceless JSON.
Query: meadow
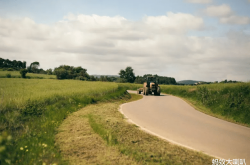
{"x":32,"y":109}
{"x":16,"y":74}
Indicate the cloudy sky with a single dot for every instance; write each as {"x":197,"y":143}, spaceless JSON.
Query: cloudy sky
{"x":186,"y":39}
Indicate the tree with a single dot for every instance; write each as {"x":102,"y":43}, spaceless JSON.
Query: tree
{"x":70,"y":72}
{"x":23,"y":73}
{"x":49,"y":71}
{"x":61,"y":73}
{"x":34,"y":67}
{"x":127,"y":74}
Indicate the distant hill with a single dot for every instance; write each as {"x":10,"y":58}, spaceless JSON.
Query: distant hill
{"x":187,"y":82}
{"x":95,"y":75}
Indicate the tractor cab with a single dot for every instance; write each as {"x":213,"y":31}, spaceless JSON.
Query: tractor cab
{"x":151,"y":80}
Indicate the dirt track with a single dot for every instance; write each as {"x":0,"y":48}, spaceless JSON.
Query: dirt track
{"x":173,"y":119}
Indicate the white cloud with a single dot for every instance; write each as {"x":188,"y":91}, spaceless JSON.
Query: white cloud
{"x":104,"y":45}
{"x":218,"y":11}
{"x":226,"y":15}
{"x":233,"y":19}
{"x":200,"y":1}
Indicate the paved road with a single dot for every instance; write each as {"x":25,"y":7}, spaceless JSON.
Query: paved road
{"x":173,"y":119}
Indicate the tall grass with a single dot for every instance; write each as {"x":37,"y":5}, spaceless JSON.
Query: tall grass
{"x":32,"y":109}
{"x":16,"y":74}
{"x":230,"y":101}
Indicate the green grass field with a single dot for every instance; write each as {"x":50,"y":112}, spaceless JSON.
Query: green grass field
{"x":32,"y":109}
{"x":16,"y":74}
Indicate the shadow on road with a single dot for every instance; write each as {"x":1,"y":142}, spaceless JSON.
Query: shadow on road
{"x":155,"y":95}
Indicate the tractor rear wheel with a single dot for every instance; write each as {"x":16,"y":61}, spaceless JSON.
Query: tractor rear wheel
{"x":158,"y":91}
{"x":146,"y":90}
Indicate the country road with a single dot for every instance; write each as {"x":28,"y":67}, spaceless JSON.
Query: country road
{"x":176,"y":121}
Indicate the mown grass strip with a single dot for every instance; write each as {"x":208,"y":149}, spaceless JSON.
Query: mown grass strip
{"x":127,"y":142}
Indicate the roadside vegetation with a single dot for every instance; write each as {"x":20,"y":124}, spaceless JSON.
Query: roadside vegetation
{"x":99,"y":134}
{"x":226,"y":101}
{"x":32,"y":109}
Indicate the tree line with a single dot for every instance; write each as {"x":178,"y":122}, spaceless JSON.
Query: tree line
{"x":128,"y":75}
{"x":14,"y":65}
{"x":79,"y":73}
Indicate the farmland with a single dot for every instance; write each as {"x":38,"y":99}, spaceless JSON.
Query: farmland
{"x":32,"y":109}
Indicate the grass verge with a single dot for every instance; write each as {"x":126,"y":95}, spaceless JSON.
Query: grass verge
{"x":230,"y":102}
{"x":99,"y":134}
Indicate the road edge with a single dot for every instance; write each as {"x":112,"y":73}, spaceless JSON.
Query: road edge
{"x":157,"y":135}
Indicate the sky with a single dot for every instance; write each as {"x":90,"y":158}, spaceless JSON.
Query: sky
{"x":206,"y":40}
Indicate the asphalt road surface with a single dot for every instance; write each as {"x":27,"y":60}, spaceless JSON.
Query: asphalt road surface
{"x":176,"y":121}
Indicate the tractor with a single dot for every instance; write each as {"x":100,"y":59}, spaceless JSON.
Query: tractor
{"x":150,"y":86}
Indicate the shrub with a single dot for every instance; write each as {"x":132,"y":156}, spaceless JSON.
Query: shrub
{"x":8,"y":75}
{"x":10,"y":69}
{"x":23,"y":73}
{"x":61,"y":74}
{"x":33,"y":108}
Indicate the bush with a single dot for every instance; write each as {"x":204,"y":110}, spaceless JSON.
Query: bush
{"x":33,"y":108}
{"x":23,"y":73}
{"x":10,"y":69}
{"x":8,"y":75}
{"x":61,"y":74}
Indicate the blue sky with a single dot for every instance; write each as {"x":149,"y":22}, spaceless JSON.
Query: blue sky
{"x":176,"y":38}
{"x":48,"y":11}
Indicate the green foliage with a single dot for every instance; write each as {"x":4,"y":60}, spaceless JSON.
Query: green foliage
{"x":23,"y":73}
{"x":5,"y":148}
{"x":70,"y":72}
{"x":33,"y":68}
{"x":8,"y":75}
{"x":12,"y":65}
{"x":10,"y":69}
{"x":127,"y":74}
{"x":33,"y":108}
{"x":49,"y":71}
{"x":61,"y":73}
{"x":162,"y":79}
{"x":16,"y":74}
